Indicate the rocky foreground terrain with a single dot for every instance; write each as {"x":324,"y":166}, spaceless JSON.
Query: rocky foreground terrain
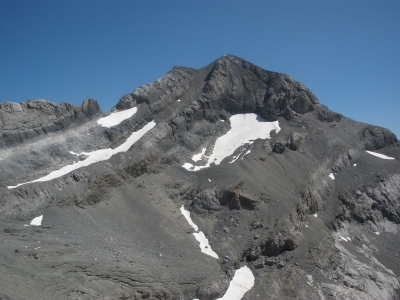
{"x":295,"y":201}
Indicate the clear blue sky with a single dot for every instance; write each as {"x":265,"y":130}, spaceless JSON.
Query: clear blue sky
{"x":346,"y":52}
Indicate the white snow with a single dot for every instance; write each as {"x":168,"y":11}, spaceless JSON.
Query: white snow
{"x":73,"y":153}
{"x":354,"y":165}
{"x":204,"y":244}
{"x":242,"y":281}
{"x":1,"y":158}
{"x":198,"y":156}
{"x":117,"y":117}
{"x":244,"y":129}
{"x":331,"y":176}
{"x":37,"y":221}
{"x":179,"y":100}
{"x":248,"y":151}
{"x":199,"y":235}
{"x":379,"y":155}
{"x":186,"y":214}
{"x":94,"y":156}
{"x":209,"y":179}
{"x":315,"y":215}
{"x":377,"y":232}
{"x":345,"y":239}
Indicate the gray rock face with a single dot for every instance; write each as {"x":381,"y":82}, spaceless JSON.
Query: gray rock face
{"x":295,"y":141}
{"x":114,"y":229}
{"x":20,"y":122}
{"x":207,"y":200}
{"x":376,"y":138}
{"x":374,"y":203}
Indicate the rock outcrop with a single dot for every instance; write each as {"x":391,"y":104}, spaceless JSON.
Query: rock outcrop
{"x":20,"y":122}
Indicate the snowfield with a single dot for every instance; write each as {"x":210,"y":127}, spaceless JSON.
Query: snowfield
{"x":199,"y":235}
{"x":198,"y":157}
{"x":379,"y":155}
{"x":245,"y":128}
{"x":94,"y":156}
{"x":117,"y":117}
{"x":242,"y":282}
{"x":37,"y":221}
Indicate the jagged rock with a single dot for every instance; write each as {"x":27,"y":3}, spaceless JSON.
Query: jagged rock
{"x":278,"y":147}
{"x":280,"y":265}
{"x":325,"y":115}
{"x":270,"y":261}
{"x":267,"y":147}
{"x":345,"y":160}
{"x":376,"y":138}
{"x":259,"y":263}
{"x":206,"y":199}
{"x":375,"y":203}
{"x":256,"y":225}
{"x":295,"y":141}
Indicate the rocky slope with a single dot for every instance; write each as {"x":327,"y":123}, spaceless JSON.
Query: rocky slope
{"x":309,"y":211}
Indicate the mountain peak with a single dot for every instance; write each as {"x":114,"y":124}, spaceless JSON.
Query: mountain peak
{"x":207,"y":183}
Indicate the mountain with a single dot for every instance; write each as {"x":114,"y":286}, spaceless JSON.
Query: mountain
{"x":226,"y":182}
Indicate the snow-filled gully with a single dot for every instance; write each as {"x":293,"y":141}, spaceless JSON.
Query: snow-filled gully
{"x":199,"y":235}
{"x":242,"y":281}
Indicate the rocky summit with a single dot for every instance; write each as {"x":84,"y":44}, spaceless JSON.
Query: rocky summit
{"x":227,"y":182}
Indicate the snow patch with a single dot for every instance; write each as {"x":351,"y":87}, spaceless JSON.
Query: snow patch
{"x":117,"y":117}
{"x":204,"y":244}
{"x":186,"y":214}
{"x":345,"y":239}
{"x":248,"y":151}
{"x":331,"y":176}
{"x":209,"y":180}
{"x":376,"y":232}
{"x":379,"y":155}
{"x":190,"y":167}
{"x":37,"y":221}
{"x":199,"y":235}
{"x":244,"y":129}
{"x":355,"y":165}
{"x":242,"y":281}
{"x":179,"y":100}
{"x":315,"y":215}
{"x":198,"y":156}
{"x":94,"y":156}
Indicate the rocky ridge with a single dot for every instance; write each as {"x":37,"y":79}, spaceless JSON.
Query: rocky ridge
{"x":114,"y":230}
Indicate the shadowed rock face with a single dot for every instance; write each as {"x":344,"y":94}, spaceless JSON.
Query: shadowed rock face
{"x":114,"y":229}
